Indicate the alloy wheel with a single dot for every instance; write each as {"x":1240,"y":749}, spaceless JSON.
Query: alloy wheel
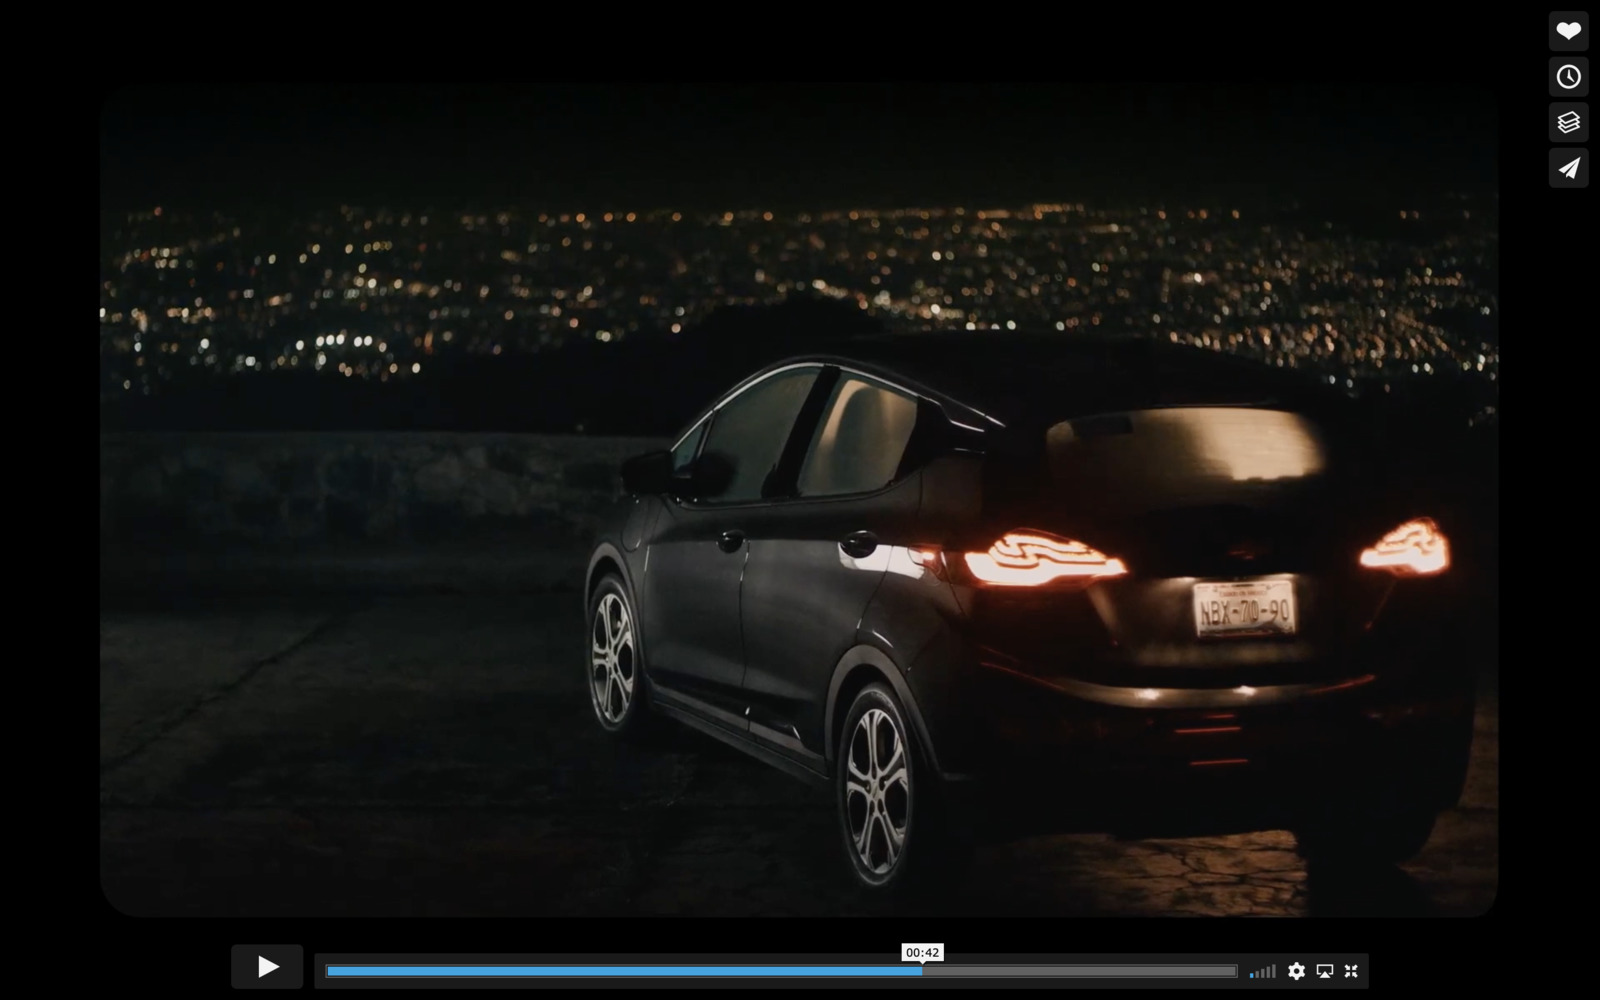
{"x":877,"y":792}
{"x":612,"y":662}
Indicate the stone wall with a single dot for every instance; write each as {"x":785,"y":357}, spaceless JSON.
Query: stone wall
{"x":292,"y":490}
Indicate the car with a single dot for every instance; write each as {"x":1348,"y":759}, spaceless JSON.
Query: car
{"x":981,"y":589}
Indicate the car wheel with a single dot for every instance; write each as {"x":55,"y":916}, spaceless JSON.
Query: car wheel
{"x":1382,"y":822}
{"x":887,"y":801}
{"x":1388,"y":818}
{"x":1450,"y":760}
{"x":615,"y":668}
{"x":1367,"y":836}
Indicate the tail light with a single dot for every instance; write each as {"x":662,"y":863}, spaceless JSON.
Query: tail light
{"x":1025,"y":559}
{"x":1416,"y":548}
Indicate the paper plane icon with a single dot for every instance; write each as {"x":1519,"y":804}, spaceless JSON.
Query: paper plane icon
{"x":1571,"y":169}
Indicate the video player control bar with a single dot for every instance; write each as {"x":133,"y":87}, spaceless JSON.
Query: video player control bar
{"x":1087,"y":971}
{"x":918,"y":964}
{"x":785,"y":971}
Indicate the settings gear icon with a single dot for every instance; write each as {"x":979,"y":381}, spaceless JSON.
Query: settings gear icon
{"x":1297,"y":971}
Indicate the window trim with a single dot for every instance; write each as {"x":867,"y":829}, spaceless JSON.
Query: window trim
{"x":689,"y":433}
{"x":749,"y":383}
{"x":693,"y":426}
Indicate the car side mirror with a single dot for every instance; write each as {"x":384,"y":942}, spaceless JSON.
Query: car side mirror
{"x":648,"y":473}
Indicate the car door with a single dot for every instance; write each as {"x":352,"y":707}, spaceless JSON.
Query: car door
{"x":695,"y":563}
{"x":816,"y":557}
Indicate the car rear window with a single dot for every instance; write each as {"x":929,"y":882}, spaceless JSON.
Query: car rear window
{"x":1151,"y":458}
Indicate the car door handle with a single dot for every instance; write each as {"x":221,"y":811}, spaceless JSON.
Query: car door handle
{"x":859,"y":544}
{"x":730,"y":541}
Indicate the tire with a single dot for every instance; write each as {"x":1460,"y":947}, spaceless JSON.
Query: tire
{"x":1452,"y":758}
{"x":1389,"y":820}
{"x":887,"y":801}
{"x":616,"y":676}
{"x":1385,"y":823}
{"x":1367,"y":836}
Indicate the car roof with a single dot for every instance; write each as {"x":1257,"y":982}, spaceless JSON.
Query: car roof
{"x":1040,"y":376}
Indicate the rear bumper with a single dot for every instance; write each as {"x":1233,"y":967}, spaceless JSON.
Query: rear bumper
{"x":1062,"y":755}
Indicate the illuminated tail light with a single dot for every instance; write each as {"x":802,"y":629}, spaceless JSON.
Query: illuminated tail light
{"x":1032,"y":559}
{"x":1416,"y":548}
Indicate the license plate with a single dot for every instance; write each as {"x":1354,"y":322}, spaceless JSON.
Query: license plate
{"x":1257,"y":607}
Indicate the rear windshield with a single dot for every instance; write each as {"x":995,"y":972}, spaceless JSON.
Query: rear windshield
{"x":1147,"y":459}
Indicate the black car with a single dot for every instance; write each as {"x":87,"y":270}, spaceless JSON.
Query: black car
{"x":990,"y":589}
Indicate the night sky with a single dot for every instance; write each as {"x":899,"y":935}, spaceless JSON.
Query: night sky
{"x":812,"y":146}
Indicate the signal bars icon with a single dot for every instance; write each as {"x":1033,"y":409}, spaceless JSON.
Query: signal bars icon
{"x":1270,"y":972}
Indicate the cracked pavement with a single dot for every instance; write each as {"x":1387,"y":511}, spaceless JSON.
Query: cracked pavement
{"x":436,"y":756}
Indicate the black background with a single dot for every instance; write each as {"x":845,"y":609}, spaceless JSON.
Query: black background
{"x":589,"y":146}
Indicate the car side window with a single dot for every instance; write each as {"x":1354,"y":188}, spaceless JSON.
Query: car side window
{"x":748,"y":433}
{"x":860,"y":440}
{"x":683,"y":455}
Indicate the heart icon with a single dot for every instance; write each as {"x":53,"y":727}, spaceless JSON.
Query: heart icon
{"x":1568,"y":29}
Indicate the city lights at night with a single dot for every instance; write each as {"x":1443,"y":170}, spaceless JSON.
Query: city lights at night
{"x":184,"y":295}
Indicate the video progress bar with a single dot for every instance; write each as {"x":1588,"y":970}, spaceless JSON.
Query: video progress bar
{"x":933,"y":971}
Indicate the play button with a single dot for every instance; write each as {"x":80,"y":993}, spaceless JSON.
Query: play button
{"x":268,"y":966}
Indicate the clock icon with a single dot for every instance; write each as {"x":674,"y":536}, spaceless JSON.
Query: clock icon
{"x":1569,"y":76}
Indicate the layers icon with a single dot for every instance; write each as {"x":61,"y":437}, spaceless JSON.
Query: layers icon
{"x":1569,"y":122}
